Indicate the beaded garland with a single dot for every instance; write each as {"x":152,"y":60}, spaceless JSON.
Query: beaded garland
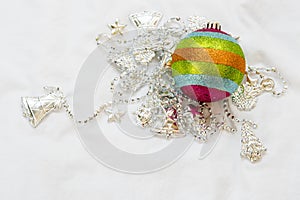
{"x":208,"y":65}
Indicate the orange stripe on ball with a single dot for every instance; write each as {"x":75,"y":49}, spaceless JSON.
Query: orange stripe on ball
{"x":210,"y":55}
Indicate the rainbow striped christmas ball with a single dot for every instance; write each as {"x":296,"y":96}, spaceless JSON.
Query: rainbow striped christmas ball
{"x":208,"y":65}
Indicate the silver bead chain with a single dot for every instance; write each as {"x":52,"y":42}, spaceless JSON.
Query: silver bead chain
{"x":96,"y":113}
{"x":228,"y":113}
{"x":258,"y":70}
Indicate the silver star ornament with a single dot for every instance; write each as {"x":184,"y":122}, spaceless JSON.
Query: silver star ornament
{"x":117,"y":28}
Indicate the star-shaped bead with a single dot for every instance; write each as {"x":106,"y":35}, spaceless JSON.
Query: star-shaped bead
{"x":193,"y":110}
{"x":117,"y":28}
{"x":114,"y":116}
{"x":170,"y":128}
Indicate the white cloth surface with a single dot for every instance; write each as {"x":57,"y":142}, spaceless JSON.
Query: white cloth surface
{"x":46,"y":42}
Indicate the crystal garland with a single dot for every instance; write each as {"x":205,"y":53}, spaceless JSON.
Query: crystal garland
{"x":142,"y":60}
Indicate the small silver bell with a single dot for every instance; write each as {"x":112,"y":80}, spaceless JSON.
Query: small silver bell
{"x":36,"y":108}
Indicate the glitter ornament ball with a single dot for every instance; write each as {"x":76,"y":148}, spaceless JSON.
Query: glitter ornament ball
{"x":208,"y":65}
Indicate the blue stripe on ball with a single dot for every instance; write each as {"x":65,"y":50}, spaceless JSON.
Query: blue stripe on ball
{"x":207,"y":81}
{"x":213,"y":35}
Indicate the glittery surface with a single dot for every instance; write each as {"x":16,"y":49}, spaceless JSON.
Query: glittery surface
{"x":204,"y":94}
{"x":210,"y":55}
{"x":192,"y":67}
{"x":207,"y":81}
{"x":208,"y":65}
{"x":213,"y":43}
{"x":212,"y":35}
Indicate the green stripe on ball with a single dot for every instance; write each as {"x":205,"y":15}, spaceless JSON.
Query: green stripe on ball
{"x":206,"y":68}
{"x":208,"y":42}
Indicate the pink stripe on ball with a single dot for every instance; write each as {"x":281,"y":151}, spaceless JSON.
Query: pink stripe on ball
{"x":204,"y":94}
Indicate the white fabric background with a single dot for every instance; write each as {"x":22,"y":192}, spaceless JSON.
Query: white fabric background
{"x":45,"y":42}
